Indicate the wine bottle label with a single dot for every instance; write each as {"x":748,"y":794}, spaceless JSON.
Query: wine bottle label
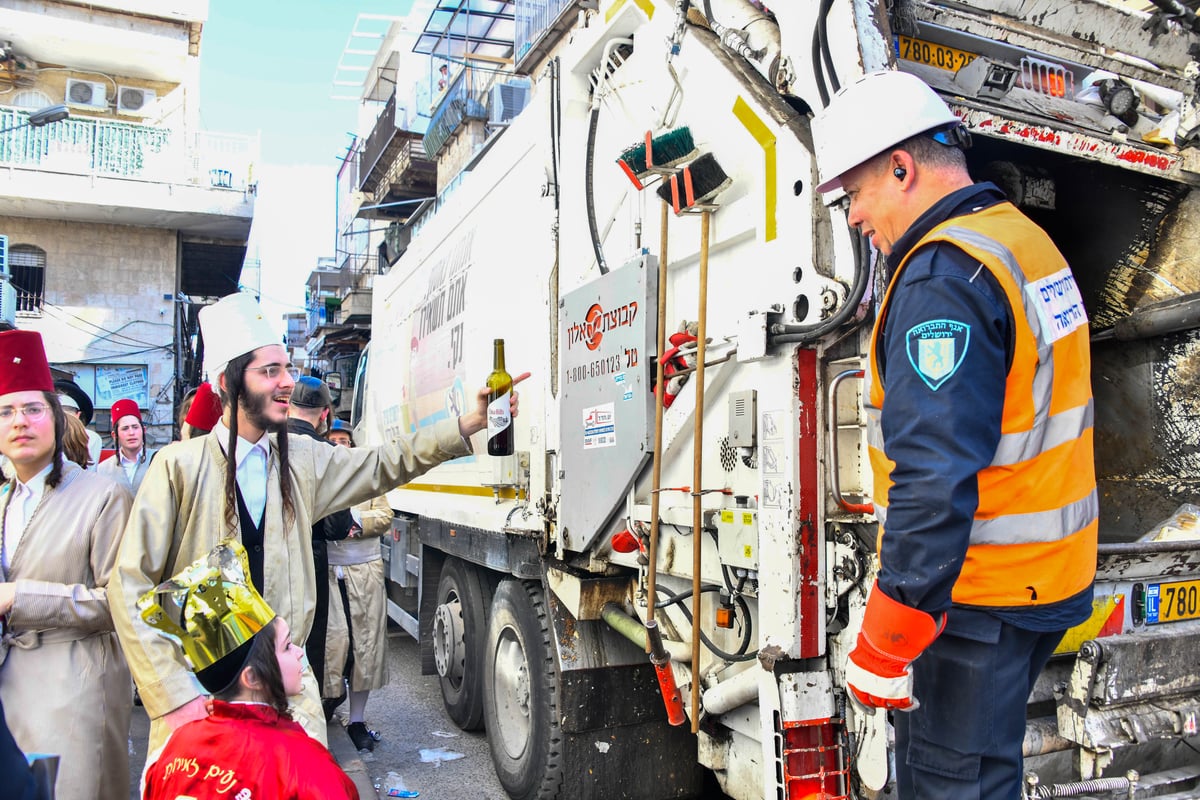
{"x":498,"y":415}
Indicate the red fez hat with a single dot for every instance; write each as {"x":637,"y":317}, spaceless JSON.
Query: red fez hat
{"x":125,"y":408}
{"x":205,"y":410}
{"x":23,"y":365}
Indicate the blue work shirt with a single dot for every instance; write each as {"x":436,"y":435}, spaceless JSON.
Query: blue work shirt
{"x":941,"y":434}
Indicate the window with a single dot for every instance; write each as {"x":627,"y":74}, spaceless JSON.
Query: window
{"x":28,"y":266}
{"x":31,"y":99}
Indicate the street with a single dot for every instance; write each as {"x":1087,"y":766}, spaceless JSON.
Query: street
{"x":421,"y":748}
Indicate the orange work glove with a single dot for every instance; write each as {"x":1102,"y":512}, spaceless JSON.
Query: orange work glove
{"x":893,"y":634}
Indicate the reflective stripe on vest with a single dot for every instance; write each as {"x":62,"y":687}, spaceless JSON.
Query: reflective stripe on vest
{"x":1038,"y":507}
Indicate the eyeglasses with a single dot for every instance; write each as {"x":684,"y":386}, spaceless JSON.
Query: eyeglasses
{"x":34,"y":412}
{"x":271,"y":371}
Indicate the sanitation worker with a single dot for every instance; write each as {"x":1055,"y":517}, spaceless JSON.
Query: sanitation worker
{"x":267,"y":496}
{"x":980,"y":431}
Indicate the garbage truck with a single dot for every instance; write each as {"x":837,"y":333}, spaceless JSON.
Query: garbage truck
{"x":654,"y":596}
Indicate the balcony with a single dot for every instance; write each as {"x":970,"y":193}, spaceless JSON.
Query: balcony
{"x":101,"y":170}
{"x":539,"y":25}
{"x":394,"y":168}
{"x":342,"y":296}
{"x":461,"y":103}
{"x":356,"y":306}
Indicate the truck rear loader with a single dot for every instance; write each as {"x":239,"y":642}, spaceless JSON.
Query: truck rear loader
{"x":683,"y":534}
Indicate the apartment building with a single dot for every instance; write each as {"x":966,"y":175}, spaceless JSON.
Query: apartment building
{"x":435,"y":88}
{"x":125,"y":218}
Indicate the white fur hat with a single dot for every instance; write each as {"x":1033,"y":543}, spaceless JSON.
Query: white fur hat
{"x":232,"y":327}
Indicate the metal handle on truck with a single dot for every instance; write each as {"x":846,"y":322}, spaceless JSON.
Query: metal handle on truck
{"x":834,"y":467}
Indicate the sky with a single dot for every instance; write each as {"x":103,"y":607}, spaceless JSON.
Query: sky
{"x":267,"y":68}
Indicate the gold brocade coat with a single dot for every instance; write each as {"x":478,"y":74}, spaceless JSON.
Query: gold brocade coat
{"x":63,"y":681}
{"x":179,"y":516}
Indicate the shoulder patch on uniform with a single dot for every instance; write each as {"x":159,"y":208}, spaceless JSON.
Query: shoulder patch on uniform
{"x":1059,"y":304}
{"x":936,"y":349}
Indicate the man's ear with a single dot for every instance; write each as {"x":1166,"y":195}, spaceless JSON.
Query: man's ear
{"x":221,"y":383}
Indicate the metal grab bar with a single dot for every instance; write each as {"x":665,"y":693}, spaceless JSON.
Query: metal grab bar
{"x":834,"y":478}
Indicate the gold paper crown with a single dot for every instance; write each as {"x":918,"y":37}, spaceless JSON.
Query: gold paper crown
{"x":216,"y":605}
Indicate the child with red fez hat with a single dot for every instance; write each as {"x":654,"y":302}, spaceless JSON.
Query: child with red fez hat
{"x":63,"y":680}
{"x":129,"y":464}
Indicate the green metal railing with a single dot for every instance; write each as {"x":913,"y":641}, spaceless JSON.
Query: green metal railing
{"x":125,"y":150}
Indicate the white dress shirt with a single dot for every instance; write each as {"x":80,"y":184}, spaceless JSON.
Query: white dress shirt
{"x":251,"y":459}
{"x":25,"y":499}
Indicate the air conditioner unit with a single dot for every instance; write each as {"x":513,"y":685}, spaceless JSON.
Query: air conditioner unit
{"x":89,"y":94}
{"x":507,"y":100}
{"x":8,"y":303}
{"x":135,"y":100}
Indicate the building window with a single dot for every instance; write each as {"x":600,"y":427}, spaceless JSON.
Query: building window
{"x":28,"y":266}
{"x":31,"y":99}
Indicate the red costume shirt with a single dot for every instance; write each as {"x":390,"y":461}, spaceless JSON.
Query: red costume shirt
{"x":246,"y":751}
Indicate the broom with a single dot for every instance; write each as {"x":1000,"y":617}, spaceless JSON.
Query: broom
{"x":660,"y":152}
{"x":695,"y":184}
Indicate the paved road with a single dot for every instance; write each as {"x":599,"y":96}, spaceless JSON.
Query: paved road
{"x":417,"y":738}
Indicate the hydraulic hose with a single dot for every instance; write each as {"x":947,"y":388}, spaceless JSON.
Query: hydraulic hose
{"x":589,"y":188}
{"x":747,"y":632}
{"x":782,"y":332}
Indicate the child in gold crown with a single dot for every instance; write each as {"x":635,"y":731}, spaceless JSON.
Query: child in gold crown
{"x":248,"y":747}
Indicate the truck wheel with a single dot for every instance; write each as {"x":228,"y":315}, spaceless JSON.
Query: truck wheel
{"x":459,"y":630}
{"x":520,"y":697}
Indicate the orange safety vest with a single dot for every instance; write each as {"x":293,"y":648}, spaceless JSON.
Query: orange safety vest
{"x":1033,"y":539}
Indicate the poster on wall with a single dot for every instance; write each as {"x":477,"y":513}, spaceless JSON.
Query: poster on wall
{"x":117,"y":381}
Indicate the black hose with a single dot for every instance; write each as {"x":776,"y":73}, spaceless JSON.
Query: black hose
{"x":589,"y":190}
{"x":784,"y":333}
{"x":555,"y":125}
{"x":673,"y":598}
{"x":818,"y":72}
{"x":826,"y":53}
{"x":741,"y":655}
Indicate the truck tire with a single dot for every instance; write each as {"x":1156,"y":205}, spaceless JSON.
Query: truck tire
{"x":520,"y":697}
{"x":459,"y":631}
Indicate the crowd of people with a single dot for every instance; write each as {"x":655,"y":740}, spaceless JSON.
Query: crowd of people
{"x":107,"y":569}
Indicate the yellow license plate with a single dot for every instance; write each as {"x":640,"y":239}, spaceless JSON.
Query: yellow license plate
{"x":932,"y":55}
{"x":1170,"y":602}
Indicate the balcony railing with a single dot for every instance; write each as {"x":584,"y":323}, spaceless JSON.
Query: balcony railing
{"x":462,"y":101}
{"x":126,"y":150}
{"x":532,"y":20}
{"x":360,"y":264}
{"x":322,"y":315}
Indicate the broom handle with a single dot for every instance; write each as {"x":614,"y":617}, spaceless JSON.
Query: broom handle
{"x":697,"y":459}
{"x":656,"y":479}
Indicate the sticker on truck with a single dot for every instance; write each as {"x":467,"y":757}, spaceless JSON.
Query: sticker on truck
{"x":599,"y":428}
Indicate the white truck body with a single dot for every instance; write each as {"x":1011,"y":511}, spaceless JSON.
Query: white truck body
{"x":504,"y":567}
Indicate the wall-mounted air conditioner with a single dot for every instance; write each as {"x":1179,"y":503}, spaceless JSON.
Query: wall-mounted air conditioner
{"x":506,"y":101}
{"x":135,"y":100}
{"x":8,"y":303}
{"x":88,"y":94}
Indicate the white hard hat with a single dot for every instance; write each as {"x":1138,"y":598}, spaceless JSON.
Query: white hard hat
{"x":866,"y":117}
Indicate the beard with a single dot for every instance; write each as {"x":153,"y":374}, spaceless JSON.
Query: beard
{"x":254,"y":405}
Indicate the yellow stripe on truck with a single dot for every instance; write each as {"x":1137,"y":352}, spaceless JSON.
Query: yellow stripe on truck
{"x":506,"y":493}
{"x":766,"y":140}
